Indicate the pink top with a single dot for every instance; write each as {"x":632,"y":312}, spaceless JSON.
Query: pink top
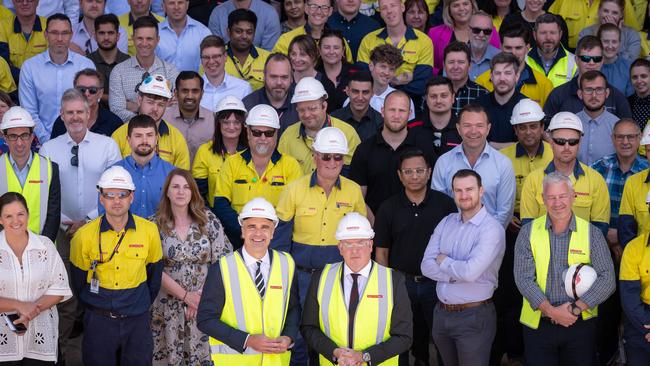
{"x":441,"y":35}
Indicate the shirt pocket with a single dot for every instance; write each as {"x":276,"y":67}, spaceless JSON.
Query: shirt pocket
{"x":136,"y":252}
{"x":582,"y":205}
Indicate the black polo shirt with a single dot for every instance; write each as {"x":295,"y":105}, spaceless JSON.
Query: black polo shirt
{"x":375,"y":165}
{"x":405,"y":228}
{"x":499,"y":116}
{"x":442,"y":140}
{"x":370,"y":123}
{"x":107,"y":122}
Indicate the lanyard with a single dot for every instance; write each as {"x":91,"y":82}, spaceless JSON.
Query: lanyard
{"x":238,"y":69}
{"x":101,"y":256}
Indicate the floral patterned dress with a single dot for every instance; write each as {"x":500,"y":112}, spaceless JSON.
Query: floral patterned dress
{"x":177,"y":341}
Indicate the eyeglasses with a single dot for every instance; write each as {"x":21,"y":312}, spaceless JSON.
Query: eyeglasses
{"x":328,"y":157}
{"x":74,"y":160}
{"x":622,"y":137}
{"x":90,"y":89}
{"x":587,"y":59}
{"x":115,"y":195}
{"x":562,"y":141}
{"x":418,"y":172}
{"x":358,"y":245}
{"x":13,"y":137}
{"x":598,"y":91}
{"x":486,"y":32}
{"x":212,"y":57}
{"x":258,"y":133}
{"x":322,"y":8}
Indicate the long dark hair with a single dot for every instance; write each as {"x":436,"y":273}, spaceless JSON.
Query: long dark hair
{"x":218,"y":146}
{"x":490,"y":7}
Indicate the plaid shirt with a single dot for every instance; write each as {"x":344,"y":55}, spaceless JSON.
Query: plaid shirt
{"x":608,"y":167}
{"x":466,"y":95}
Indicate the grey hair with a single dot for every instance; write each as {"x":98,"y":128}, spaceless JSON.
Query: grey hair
{"x":555,"y":178}
{"x":72,"y":95}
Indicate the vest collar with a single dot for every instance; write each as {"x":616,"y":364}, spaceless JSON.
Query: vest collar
{"x":409,"y":35}
{"x":577,"y":169}
{"x":247,"y":156}
{"x":105,"y":226}
{"x":520,"y":151}
{"x":314,"y":180}
{"x":38,"y":26}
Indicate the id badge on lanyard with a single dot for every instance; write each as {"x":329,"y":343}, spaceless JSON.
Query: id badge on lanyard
{"x":94,"y":281}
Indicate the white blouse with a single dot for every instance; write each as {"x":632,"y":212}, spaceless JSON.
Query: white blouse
{"x":42,"y":273}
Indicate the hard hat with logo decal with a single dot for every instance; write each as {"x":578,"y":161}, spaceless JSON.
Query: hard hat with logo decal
{"x":308,"y":89}
{"x":330,"y":140}
{"x":230,"y":103}
{"x":578,"y":278}
{"x":526,"y":110}
{"x":258,"y":207}
{"x":263,"y":115}
{"x":354,"y":226}
{"x":155,"y":84}
{"x":645,"y":139}
{"x":116,"y":177}
{"x":16,"y":117}
{"x":565,"y":120}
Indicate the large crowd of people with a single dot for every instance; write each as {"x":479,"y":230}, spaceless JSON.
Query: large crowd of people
{"x":318,"y":182}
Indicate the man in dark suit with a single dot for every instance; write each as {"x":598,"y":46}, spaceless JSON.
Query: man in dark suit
{"x":242,"y":307}
{"x":354,"y":330}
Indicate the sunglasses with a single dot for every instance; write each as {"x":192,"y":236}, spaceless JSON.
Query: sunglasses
{"x":258,"y":133}
{"x":90,"y":89}
{"x":587,"y":59}
{"x":328,"y":157}
{"x":114,"y":195}
{"x":486,"y":32}
{"x":562,"y":141}
{"x":74,"y":160}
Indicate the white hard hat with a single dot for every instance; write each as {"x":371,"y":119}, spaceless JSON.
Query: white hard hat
{"x":16,"y":117}
{"x":157,"y":85}
{"x":258,"y":207}
{"x":354,"y":226}
{"x":116,"y":177}
{"x":645,"y":139}
{"x":581,"y":281}
{"x":230,"y":103}
{"x":565,"y":120}
{"x":263,"y":115}
{"x":308,"y":89}
{"x":330,"y":140}
{"x":527,"y":110}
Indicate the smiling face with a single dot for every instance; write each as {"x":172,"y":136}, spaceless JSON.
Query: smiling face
{"x":318,"y":11}
{"x":640,"y":77}
{"x":360,"y":93}
{"x":558,"y":199}
{"x":75,"y":114}
{"x":626,"y":138}
{"x":139,"y":7}
{"x":19,"y":149}
{"x":25,"y":8}
{"x":467,"y":193}
{"x":460,"y":11}
{"x":331,"y":50}
{"x":295,"y":9}
{"x":391,"y":12}
{"x":152,"y":106}
{"x":457,"y":66}
{"x":88,"y":83}
{"x":14,"y":218}
{"x":189,"y":94}
{"x":609,"y":12}
{"x":176,"y":10}
{"x":231,"y":128}
{"x":480,"y":41}
{"x":301,"y":61}
{"x":241,"y":35}
{"x":382,"y":73}
{"x":327,"y":169}
{"x":257,"y":233}
{"x":414,"y":181}
{"x":535,"y":6}
{"x":473,"y":127}
{"x":611,"y":43}
{"x":312,"y":113}
{"x":213,"y":60}
{"x":145,"y":40}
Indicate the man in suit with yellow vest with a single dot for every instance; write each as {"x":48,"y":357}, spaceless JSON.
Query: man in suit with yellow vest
{"x":30,"y":174}
{"x":250,"y":306}
{"x":558,"y":329}
{"x":357,"y":311}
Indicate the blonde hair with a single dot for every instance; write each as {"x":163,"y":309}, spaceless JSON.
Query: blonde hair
{"x":446,"y":15}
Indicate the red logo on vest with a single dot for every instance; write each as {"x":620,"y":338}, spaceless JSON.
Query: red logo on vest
{"x":276,"y":287}
{"x":375,"y":296}
{"x":35,"y":181}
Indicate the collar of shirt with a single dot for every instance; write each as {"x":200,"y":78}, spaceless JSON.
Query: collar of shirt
{"x":105,"y":226}
{"x":408,"y":36}
{"x":314,"y":180}
{"x":406,"y":202}
{"x":247,"y":156}
{"x":153,"y":164}
{"x":476,"y":220}
{"x":535,"y":55}
{"x":190,"y":24}
{"x":338,"y":18}
{"x":264,"y":99}
{"x":598,"y":120}
{"x":572,"y":224}
{"x":163,"y":128}
{"x":577,"y":169}
{"x":425,"y":121}
{"x":38,"y":26}
{"x":251,"y":52}
{"x":157,"y":63}
{"x":520,"y":151}
{"x":27,"y":165}
{"x":527,"y":76}
{"x":251,"y":262}
{"x":33,"y":243}
{"x":408,"y":140}
{"x":490,"y":52}
{"x":80,"y":28}
{"x":200,"y":115}
{"x":70,"y":141}
{"x":303,"y":133}
{"x":647,"y":178}
{"x":364,"y":272}
{"x":347,"y":116}
{"x":487,"y":150}
{"x":224,"y":83}
{"x":71,"y":58}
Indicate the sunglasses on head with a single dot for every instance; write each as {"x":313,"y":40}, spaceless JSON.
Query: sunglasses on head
{"x":563,"y":141}
{"x":90,"y":89}
{"x":587,"y":59}
{"x":258,"y":133}
{"x":328,"y":157}
{"x":487,"y":32}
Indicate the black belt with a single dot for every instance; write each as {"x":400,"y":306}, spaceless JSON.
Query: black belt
{"x":417,"y":279}
{"x":106,"y":313}
{"x":305,"y":269}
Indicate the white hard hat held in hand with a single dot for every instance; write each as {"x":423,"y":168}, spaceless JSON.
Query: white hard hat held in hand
{"x":645,"y":138}
{"x":263,"y":115}
{"x":258,"y":207}
{"x":354,"y":226}
{"x":116,"y":177}
{"x":308,"y":89}
{"x":526,"y":110}
{"x":16,"y":117}
{"x":578,"y":278}
{"x":156,"y":85}
{"x":330,"y":140}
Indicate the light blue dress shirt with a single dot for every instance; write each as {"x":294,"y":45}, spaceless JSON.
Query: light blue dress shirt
{"x":268,"y":28}
{"x":21,"y":174}
{"x":474,"y":251}
{"x":182,"y":51}
{"x":618,"y":75}
{"x":148,"y":181}
{"x":482,"y":65}
{"x":596,"y":141}
{"x":41,"y":87}
{"x":229,"y":86}
{"x":496,"y":173}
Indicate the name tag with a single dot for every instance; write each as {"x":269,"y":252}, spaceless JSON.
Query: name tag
{"x":275,"y":287}
{"x":378,"y":296}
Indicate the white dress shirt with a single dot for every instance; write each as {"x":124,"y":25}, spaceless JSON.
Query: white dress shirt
{"x":189,"y":41}
{"x":42,"y":273}
{"x":78,"y":183}
{"x":229,"y":86}
{"x":82,"y":38}
{"x":361,"y":280}
{"x":251,"y":264}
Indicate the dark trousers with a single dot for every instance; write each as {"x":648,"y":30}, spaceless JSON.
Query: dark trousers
{"x":552,"y":344}
{"x":299,"y":355}
{"x":608,"y":322}
{"x":423,"y":300}
{"x":28,"y":362}
{"x":111,"y":342}
{"x":637,"y":356}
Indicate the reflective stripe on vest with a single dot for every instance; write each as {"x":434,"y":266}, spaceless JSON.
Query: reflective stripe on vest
{"x":373,"y":314}
{"x":562,"y":72}
{"x":540,"y":245}
{"x":245,"y":310}
{"x":40,"y":173}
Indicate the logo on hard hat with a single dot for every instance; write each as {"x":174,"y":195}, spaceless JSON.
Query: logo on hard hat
{"x":352,"y":228}
{"x":116,"y":179}
{"x":159,"y":78}
{"x":257,"y":209}
{"x":524,"y":113}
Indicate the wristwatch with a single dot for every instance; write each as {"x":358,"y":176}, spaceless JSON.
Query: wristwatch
{"x":575,"y":309}
{"x":365,"y":357}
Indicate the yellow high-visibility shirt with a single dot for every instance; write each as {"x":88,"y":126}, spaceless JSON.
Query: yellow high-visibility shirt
{"x":252,"y":70}
{"x":523,"y":164}
{"x":282,"y":45}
